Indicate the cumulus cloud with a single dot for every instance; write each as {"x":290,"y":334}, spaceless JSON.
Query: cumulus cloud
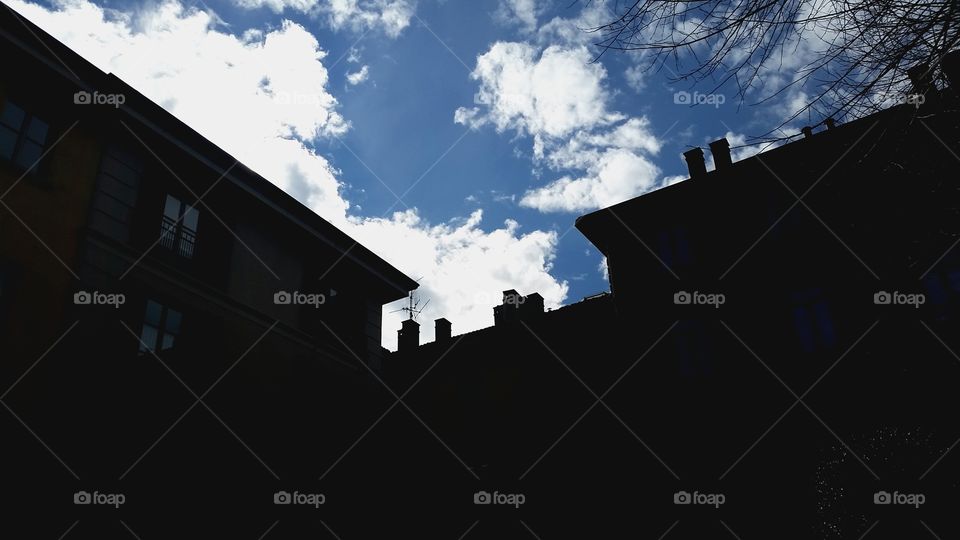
{"x":548,"y":94}
{"x":635,"y":76}
{"x":277,"y":6}
{"x":556,"y":96}
{"x":358,"y":77}
{"x":615,"y":176}
{"x":464,"y":268}
{"x":521,"y":12}
{"x":178,"y":58}
{"x":391,"y":16}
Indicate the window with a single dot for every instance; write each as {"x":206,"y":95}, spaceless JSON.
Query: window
{"x":674,"y":249}
{"x":161,"y":326}
{"x":812,"y":320}
{"x":178,"y":232}
{"x":22,"y":136}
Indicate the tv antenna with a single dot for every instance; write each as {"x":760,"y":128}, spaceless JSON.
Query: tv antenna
{"x":413,"y":307}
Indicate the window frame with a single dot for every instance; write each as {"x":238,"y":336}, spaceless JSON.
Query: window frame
{"x":160,"y":329}
{"x":35,"y":168}
{"x":182,"y":235}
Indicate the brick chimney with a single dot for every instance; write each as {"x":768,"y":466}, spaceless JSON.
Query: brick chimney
{"x":408,"y":337}
{"x":695,"y":163}
{"x":442,"y":330}
{"x":720,"y":149}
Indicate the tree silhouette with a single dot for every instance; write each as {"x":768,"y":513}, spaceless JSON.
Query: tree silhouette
{"x":845,"y":58}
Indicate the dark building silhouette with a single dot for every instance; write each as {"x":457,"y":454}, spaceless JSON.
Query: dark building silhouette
{"x":780,"y":330}
{"x":144,"y":273}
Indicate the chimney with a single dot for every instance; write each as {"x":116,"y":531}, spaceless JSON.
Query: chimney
{"x":408,"y":337}
{"x":807,"y":131}
{"x":517,"y":307}
{"x":509,"y":310}
{"x":695,"y":163}
{"x":442,"y":330}
{"x":533,"y":304}
{"x":720,"y":149}
{"x":950,"y":64}
{"x":830,"y":123}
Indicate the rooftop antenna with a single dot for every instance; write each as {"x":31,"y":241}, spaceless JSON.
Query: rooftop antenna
{"x":413,"y":307}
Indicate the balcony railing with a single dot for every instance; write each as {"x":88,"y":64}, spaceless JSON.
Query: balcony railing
{"x":177,"y":237}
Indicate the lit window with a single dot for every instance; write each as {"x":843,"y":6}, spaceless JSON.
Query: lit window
{"x":161,"y":326}
{"x":22,"y":136}
{"x":178,"y":232}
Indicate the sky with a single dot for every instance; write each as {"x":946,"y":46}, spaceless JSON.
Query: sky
{"x":459,"y":140}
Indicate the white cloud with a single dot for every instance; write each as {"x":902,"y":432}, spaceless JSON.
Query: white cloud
{"x":521,"y":12}
{"x":358,"y":77}
{"x":635,"y":76}
{"x":572,"y":31}
{"x":604,"y":268}
{"x":543,"y":94}
{"x":559,"y":98}
{"x":277,"y":5}
{"x":464,"y":268}
{"x":615,"y":176}
{"x":392,"y":16}
{"x":178,"y":58}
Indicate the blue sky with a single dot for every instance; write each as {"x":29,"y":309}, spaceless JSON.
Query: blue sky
{"x":487,"y":116}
